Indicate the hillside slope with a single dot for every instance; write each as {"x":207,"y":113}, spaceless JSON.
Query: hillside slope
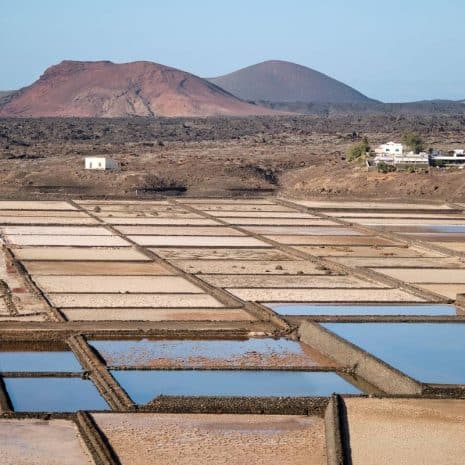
{"x":282,"y":81}
{"x":106,"y":89}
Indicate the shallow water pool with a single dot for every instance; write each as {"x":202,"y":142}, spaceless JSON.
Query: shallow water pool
{"x":428,"y":352}
{"x":53,"y":395}
{"x":355,"y":310}
{"x":143,"y":385}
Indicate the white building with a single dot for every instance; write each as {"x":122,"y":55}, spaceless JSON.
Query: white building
{"x":100,"y":163}
{"x":411,"y":159}
{"x":402,"y":161}
{"x":386,"y":159}
{"x":457,"y":157}
{"x":391,"y":148}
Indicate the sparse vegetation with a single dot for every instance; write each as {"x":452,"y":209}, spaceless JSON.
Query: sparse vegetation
{"x":305,"y":156}
{"x":358,"y":150}
{"x":157,"y":183}
{"x":414,"y":142}
{"x":384,"y":168}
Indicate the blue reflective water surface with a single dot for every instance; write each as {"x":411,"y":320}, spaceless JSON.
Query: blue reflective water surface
{"x":348,"y":310}
{"x":143,"y":385}
{"x":53,"y":395}
{"x":428,"y":352}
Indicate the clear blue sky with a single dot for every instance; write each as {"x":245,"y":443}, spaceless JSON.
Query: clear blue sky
{"x":393,"y":50}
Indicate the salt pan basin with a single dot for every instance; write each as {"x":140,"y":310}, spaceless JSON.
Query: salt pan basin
{"x":143,"y":385}
{"x":427,"y":352}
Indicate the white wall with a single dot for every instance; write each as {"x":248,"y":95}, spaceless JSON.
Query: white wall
{"x":95,"y":163}
{"x":390,"y":148}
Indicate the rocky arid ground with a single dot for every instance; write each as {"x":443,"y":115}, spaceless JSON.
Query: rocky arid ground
{"x":302,"y":156}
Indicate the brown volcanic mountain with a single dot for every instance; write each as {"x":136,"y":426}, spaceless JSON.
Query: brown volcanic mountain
{"x":106,"y":89}
{"x":282,"y":81}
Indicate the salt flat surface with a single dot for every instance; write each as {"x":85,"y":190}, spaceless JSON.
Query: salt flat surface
{"x":121,"y":210}
{"x":456,"y":246}
{"x":279,"y":267}
{"x":162,"y":221}
{"x":38,"y":317}
{"x":156,"y":314}
{"x":45,"y":220}
{"x":396,"y":262}
{"x":121,"y":202}
{"x":133,"y":300}
{"x":84,"y":241}
{"x":309,"y":220}
{"x":292,"y":230}
{"x":135,"y":207}
{"x":116,"y":284}
{"x":227,"y":201}
{"x":361,"y":251}
{"x":243,"y":253}
{"x":42,"y":442}
{"x":180,"y":230}
{"x":198,"y":241}
{"x":243,"y":207}
{"x":426,"y":275}
{"x":108,"y":268}
{"x":324,"y":295}
{"x":306,"y":239}
{"x":370,"y":205}
{"x":437,"y":237}
{"x":257,"y":214}
{"x":348,"y":240}
{"x":79,"y":253}
{"x":408,"y":222}
{"x":446,"y":290}
{"x":35,"y":205}
{"x":376,"y":214}
{"x":413,"y":431}
{"x":61,"y":214}
{"x":56,"y":230}
{"x":288,"y":281}
{"x":143,"y":213}
{"x":218,"y":439}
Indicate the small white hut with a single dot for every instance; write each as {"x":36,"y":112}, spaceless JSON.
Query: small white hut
{"x":100,"y":163}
